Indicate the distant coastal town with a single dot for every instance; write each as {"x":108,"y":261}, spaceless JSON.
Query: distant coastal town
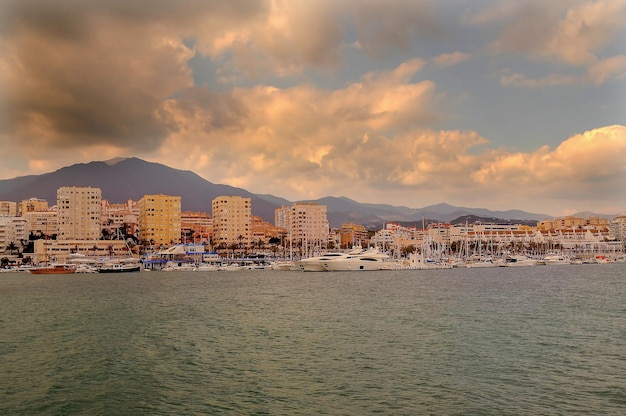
{"x":92,"y":234}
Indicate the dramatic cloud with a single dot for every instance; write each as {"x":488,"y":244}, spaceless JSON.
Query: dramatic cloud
{"x":577,"y":34}
{"x":378,"y":100}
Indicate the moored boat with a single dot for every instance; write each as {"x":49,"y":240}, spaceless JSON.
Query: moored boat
{"x":368,"y":260}
{"x":54,"y":269}
{"x":120,"y":266}
{"x":519,"y":261}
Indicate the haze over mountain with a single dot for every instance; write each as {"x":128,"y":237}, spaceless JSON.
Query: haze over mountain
{"x":131,"y":178}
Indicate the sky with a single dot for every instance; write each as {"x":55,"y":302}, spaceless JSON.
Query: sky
{"x":477,"y":103}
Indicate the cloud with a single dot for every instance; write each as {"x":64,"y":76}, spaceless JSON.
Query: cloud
{"x":451,"y":59}
{"x":539,"y":29}
{"x":577,"y":34}
{"x":552,"y":80}
{"x":594,"y":162}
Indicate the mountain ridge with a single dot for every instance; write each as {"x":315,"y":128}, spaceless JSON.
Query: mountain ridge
{"x":130,"y":178}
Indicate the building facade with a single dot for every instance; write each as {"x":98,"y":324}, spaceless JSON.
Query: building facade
{"x":306,"y":224}
{"x":353,"y":235}
{"x":42,"y":223}
{"x":8,"y":209}
{"x":78,"y":211}
{"x":231,"y":220}
{"x":159,"y":219}
{"x":32,"y":205}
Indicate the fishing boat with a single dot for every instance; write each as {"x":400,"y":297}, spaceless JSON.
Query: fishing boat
{"x":54,"y":269}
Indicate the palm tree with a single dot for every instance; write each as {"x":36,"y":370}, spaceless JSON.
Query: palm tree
{"x":12,"y":247}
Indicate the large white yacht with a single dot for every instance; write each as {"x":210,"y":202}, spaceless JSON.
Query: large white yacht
{"x":371,"y":259}
{"x":316,"y":264}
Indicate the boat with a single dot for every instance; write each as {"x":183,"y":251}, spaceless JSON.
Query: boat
{"x":316,"y":264}
{"x":176,"y":266}
{"x":481,"y":264}
{"x":283,"y":265}
{"x":519,"y":261}
{"x":54,"y":269}
{"x":207,"y":267}
{"x":120,"y":266}
{"x":554,"y":259}
{"x":368,"y":260}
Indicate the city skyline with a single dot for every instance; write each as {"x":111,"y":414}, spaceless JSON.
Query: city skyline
{"x":494,"y":104}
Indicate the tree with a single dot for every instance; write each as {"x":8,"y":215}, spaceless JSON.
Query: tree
{"x":12,"y":247}
{"x":406,"y":250}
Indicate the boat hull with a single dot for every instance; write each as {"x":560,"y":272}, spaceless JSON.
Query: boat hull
{"x":128,"y":269}
{"x":56,"y":269}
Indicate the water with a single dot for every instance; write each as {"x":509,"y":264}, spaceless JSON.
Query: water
{"x":547,"y":340}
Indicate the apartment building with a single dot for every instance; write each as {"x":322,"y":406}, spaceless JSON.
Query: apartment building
{"x":78,"y":210}
{"x":231,"y":220}
{"x":306,"y":223}
{"x":118,"y":216}
{"x":353,"y":235}
{"x":12,"y":230}
{"x":42,"y":223}
{"x":159,"y":219}
{"x":8,"y":209}
{"x":32,"y":205}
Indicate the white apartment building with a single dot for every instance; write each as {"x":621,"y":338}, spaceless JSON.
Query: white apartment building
{"x":8,"y":209}
{"x":306,"y":223}
{"x":12,"y":230}
{"x":231,"y":220}
{"x":41,"y":223}
{"x":78,"y":210}
{"x":617,"y":228}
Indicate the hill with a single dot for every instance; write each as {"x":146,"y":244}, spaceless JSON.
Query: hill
{"x":132,"y":178}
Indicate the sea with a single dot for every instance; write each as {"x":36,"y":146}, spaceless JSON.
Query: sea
{"x":544,"y":340}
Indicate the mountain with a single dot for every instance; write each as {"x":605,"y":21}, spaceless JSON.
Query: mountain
{"x":132,"y":178}
{"x":122,"y":179}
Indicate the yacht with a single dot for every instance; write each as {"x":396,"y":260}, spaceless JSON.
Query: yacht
{"x":316,"y":264}
{"x":364,"y":261}
{"x":554,"y":258}
{"x":519,"y":261}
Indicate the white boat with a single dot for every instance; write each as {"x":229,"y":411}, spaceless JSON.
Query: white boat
{"x":519,"y":261}
{"x":316,"y":264}
{"x":207,"y":267}
{"x":364,"y":261}
{"x":176,"y":266}
{"x":481,"y":264}
{"x":283,"y":265}
{"x":233,"y":267}
{"x":554,"y":259}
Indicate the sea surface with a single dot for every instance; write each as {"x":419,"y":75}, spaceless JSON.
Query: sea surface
{"x":544,"y":340}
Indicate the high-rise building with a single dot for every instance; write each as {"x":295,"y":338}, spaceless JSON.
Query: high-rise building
{"x":78,"y":210}
{"x":42,"y":223}
{"x":231,"y":220}
{"x":159,"y":219}
{"x":306,"y":223}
